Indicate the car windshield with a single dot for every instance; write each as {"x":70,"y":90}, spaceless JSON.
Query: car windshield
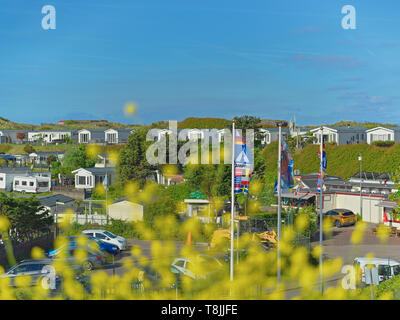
{"x":112,"y":236}
{"x":12,"y":268}
{"x":346,"y":214}
{"x":396,"y":270}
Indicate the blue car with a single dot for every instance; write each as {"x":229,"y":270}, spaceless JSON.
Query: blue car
{"x":98,"y":245}
{"x":108,"y":247}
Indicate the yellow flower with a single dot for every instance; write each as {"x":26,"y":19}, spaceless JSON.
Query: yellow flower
{"x":383,"y":233}
{"x":130,"y":108}
{"x":4,"y":223}
{"x":92,"y":150}
{"x":37,"y":253}
{"x":302,"y":222}
{"x":358,"y":233}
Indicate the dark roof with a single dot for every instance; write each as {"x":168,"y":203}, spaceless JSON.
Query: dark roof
{"x":14,"y":170}
{"x":349,"y":129}
{"x":372,"y":175}
{"x":50,"y":201}
{"x":100,"y":170}
{"x":311,"y":180}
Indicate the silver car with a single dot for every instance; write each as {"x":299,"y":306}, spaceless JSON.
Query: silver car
{"x":36,"y":269}
{"x":93,"y":259}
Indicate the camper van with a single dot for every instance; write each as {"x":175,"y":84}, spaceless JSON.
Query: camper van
{"x":32,"y":184}
{"x":387,"y":268}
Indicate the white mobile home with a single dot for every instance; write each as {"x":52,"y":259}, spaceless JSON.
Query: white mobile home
{"x":117,"y":136}
{"x":49,"y":136}
{"x":341,"y":135}
{"x":7,"y":176}
{"x":383,"y":134}
{"x":88,"y":178}
{"x":269,"y":135}
{"x":32,"y":184}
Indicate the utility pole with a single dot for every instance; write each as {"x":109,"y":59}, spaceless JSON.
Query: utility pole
{"x":232,"y":199}
{"x":279,"y":204}
{"x":320,"y":210}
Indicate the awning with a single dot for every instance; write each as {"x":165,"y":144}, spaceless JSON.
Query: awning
{"x":297,"y":197}
{"x":387,"y":204}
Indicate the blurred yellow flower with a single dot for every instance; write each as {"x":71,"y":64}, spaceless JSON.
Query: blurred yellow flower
{"x":130,"y":108}
{"x":37,"y":253}
{"x":358,"y":234}
{"x":4,"y":223}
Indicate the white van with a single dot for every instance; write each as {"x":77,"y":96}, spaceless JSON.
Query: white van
{"x":387,"y":268}
{"x":31,"y":184}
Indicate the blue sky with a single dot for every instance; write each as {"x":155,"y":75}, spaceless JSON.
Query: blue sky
{"x":180,"y":58}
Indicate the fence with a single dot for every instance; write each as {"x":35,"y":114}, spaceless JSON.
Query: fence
{"x":23,"y":250}
{"x":84,"y":218}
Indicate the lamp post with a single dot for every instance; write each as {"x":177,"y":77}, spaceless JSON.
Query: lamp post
{"x":360,"y":159}
{"x":57,"y":202}
{"x":279,"y":204}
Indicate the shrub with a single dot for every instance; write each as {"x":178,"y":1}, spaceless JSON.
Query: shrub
{"x":29,"y":149}
{"x":381,"y":143}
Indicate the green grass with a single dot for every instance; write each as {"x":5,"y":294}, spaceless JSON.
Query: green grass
{"x":27,"y":195}
{"x":342,"y":160}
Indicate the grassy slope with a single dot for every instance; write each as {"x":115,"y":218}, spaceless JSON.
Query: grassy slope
{"x":342,"y":160}
{"x":203,"y":123}
{"x":19,"y":148}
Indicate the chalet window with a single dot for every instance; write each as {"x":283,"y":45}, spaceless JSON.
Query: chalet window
{"x":111,"y":137}
{"x":84,"y":137}
{"x":81,"y":180}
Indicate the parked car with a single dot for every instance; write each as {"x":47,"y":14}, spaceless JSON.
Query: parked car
{"x":108,"y":237}
{"x":35,"y":269}
{"x":105,"y":246}
{"x":94,"y":258}
{"x":95,"y":243}
{"x":387,"y":268}
{"x":201,"y":267}
{"x":340,"y":217}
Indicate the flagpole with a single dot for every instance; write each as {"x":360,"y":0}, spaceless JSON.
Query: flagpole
{"x":232,"y":198}
{"x":279,"y":204}
{"x":320,"y":211}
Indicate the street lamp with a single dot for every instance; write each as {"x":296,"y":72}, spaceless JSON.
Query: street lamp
{"x":61,"y":203}
{"x":360,"y":159}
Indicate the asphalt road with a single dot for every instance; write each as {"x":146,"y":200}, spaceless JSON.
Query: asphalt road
{"x":337,"y":245}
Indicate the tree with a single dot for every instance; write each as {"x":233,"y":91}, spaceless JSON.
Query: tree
{"x":160,"y":204}
{"x":77,"y":158}
{"x":29,"y":149}
{"x":26,"y":215}
{"x":396,"y":196}
{"x":212,"y":180}
{"x":133,"y":164}
{"x":249,"y":122}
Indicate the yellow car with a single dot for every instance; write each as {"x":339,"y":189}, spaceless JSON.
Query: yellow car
{"x":341,"y":217}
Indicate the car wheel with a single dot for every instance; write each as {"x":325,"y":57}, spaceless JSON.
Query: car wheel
{"x":337,"y":224}
{"x":87,"y":265}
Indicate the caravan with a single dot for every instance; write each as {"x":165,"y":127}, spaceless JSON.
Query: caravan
{"x":32,"y":184}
